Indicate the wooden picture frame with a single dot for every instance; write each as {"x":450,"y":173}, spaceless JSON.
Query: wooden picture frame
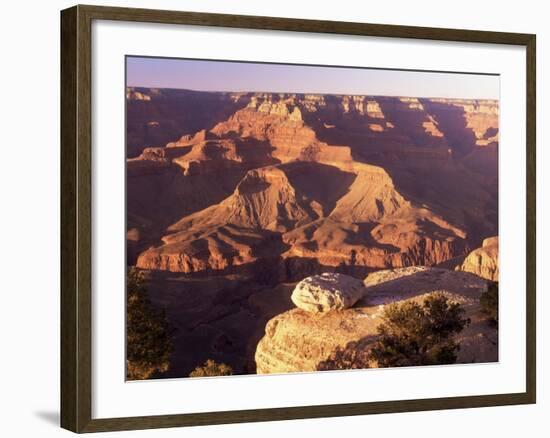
{"x":76,"y":217}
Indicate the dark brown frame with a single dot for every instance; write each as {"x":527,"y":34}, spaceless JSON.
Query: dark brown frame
{"x":76,"y":173}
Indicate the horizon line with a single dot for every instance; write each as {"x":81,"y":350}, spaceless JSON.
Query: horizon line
{"x":242,"y":76}
{"x":310,"y":93}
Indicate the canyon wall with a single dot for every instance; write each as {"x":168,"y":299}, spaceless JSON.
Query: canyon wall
{"x":315,"y":182}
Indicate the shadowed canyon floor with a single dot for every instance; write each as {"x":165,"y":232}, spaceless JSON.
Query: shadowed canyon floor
{"x":232,"y":198}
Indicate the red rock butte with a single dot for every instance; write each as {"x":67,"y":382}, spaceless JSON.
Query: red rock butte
{"x":234,"y":198}
{"x":219,"y":181}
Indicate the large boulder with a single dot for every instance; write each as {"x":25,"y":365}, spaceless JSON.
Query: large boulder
{"x":327,"y":292}
{"x":299,"y":340}
{"x":483,"y":261}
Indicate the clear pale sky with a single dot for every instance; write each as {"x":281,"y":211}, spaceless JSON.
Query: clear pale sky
{"x":239,"y":76}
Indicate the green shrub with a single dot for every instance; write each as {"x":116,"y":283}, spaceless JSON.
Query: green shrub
{"x":355,"y":355}
{"x":419,"y":334}
{"x":148,"y":334}
{"x":211,"y":368}
{"x":489,"y":302}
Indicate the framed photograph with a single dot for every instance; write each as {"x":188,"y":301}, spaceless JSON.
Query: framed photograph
{"x":269,"y":218}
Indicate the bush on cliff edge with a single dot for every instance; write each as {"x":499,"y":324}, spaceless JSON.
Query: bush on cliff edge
{"x":419,"y":334}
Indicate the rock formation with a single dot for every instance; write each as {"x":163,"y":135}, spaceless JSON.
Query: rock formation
{"x":298,"y":340}
{"x":156,"y":117}
{"x":327,"y":292}
{"x":233,"y":198}
{"x":322,"y":204}
{"x":483,"y":261}
{"x":132,"y":94}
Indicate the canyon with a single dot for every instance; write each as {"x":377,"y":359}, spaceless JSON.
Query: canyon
{"x":233,"y":198}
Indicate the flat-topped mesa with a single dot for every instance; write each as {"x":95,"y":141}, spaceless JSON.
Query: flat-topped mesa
{"x":205,"y":152}
{"x":327,"y":292}
{"x":299,"y":340}
{"x":282,"y":128}
{"x":483,"y":261}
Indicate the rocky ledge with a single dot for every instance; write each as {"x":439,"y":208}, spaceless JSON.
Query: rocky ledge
{"x":483,"y":261}
{"x":302,"y":340}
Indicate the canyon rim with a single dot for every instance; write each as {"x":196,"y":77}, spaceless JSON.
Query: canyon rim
{"x":275,"y":230}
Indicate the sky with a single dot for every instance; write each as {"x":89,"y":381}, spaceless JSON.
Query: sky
{"x":205,"y":75}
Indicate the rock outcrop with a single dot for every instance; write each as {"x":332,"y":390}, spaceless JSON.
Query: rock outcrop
{"x":132,"y":94}
{"x":326,"y":207}
{"x":327,"y":292}
{"x":303,"y":341}
{"x":339,"y":182}
{"x":483,"y":261}
{"x":232,"y":198}
{"x":156,"y":117}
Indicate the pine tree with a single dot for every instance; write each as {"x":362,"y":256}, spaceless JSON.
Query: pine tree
{"x":148,"y":334}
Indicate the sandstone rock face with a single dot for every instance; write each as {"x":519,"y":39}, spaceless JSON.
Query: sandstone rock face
{"x":231,"y":192}
{"x":331,"y":179}
{"x":175,"y":113}
{"x":327,"y":292}
{"x":318,"y":198}
{"x":483,"y":261}
{"x":297,"y":340}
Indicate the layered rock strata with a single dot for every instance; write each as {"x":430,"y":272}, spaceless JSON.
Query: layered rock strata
{"x":316,"y":200}
{"x":327,"y":292}
{"x":298,"y":340}
{"x":483,"y":261}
